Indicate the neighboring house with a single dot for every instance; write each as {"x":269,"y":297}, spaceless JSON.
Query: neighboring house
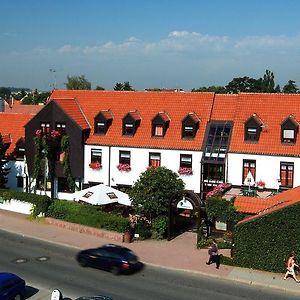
{"x":207,"y":138}
{"x":13,"y":133}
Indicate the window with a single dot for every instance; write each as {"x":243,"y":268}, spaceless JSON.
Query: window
{"x":185,"y":161}
{"x":124,"y":157}
{"x":286,"y":174}
{"x":61,"y":127}
{"x":190,"y":125}
{"x":20,"y":153}
{"x":253,"y":128}
{"x":154,"y":160}
{"x":96,"y":156}
{"x":128,"y":129}
{"x":289,"y":130}
{"x":158,"y":130}
{"x":249,"y":166}
{"x":130,"y":123}
{"x":100,"y":127}
{"x":251,"y":134}
{"x":20,"y":181}
{"x":45,"y":127}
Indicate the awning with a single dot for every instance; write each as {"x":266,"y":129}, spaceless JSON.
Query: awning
{"x":102,"y":194}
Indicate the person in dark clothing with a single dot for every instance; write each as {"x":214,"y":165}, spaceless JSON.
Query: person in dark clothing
{"x":213,"y":252}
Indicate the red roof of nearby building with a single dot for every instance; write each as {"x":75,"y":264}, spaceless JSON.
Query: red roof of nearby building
{"x":148,"y":105}
{"x":12,"y":128}
{"x":18,"y":107}
{"x":277,"y":202}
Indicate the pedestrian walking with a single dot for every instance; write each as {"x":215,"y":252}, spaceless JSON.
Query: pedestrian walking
{"x":213,"y":253}
{"x":291,"y":265}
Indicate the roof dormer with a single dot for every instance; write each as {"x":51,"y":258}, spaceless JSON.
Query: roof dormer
{"x":160,"y":124}
{"x":130,"y":123}
{"x":289,"y":130}
{"x":253,"y":128}
{"x":102,"y":122}
{"x":190,"y":125}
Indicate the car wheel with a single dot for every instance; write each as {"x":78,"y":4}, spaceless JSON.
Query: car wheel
{"x":18,"y":297}
{"x":115,"y":270}
{"x":82,"y":262}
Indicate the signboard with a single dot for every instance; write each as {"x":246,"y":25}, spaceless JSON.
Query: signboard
{"x":185,"y":204}
{"x":221,"y":226}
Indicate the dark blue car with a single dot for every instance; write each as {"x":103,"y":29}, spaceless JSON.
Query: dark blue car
{"x":12,"y":287}
{"x":110,"y":257}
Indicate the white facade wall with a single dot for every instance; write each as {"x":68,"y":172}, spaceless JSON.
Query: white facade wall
{"x":16,"y":169}
{"x":139,"y":161}
{"x":267,"y":168}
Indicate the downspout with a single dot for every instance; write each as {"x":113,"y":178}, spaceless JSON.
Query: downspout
{"x":109,"y":158}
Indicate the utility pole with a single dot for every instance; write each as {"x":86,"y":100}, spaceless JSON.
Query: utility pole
{"x":53,"y":71}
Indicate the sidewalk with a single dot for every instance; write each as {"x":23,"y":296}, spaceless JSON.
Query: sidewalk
{"x":177,"y":254}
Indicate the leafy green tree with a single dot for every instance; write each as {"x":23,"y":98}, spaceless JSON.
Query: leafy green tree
{"x":123,"y":86}
{"x":290,"y":88}
{"x":213,"y":88}
{"x":77,"y":83}
{"x":277,"y":89}
{"x":118,"y":86}
{"x":5,"y":92}
{"x":99,"y":88}
{"x":3,"y":161}
{"x":268,"y":82}
{"x":243,"y":84}
{"x":151,"y":193}
{"x":36,"y":98}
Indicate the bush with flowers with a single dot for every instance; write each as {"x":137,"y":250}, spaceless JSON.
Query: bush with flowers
{"x":95,"y":165}
{"x":261,"y":183}
{"x":124,"y":167}
{"x":217,"y":190}
{"x":185,"y":171}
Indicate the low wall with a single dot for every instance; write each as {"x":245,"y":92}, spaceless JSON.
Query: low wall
{"x":16,"y":206}
{"x":110,"y":235}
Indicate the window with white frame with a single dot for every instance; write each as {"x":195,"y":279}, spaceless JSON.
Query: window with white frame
{"x":45,"y":127}
{"x":96,"y":156}
{"x":154,"y":159}
{"x":124,"y":157}
{"x":61,"y":127}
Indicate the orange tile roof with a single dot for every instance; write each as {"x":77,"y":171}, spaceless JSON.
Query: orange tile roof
{"x":277,"y":202}
{"x":12,"y":124}
{"x":224,"y":108}
{"x":148,"y":104}
{"x":73,"y":108}
{"x":18,"y":107}
{"x":272,"y":110}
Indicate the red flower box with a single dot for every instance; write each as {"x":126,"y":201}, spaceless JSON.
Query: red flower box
{"x":124,"y":167}
{"x":95,"y":165}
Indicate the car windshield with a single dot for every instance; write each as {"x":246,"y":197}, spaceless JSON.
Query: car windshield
{"x":129,"y":255}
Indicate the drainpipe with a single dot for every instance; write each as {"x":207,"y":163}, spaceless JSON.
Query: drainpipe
{"x":109,"y":164}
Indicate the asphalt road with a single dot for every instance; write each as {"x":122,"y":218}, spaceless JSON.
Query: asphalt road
{"x":46,"y":267}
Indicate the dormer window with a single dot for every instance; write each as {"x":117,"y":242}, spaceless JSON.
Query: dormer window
{"x":160,"y":124}
{"x":190,"y":125}
{"x":289,"y":130}
{"x":253,"y":129}
{"x":130,"y":123}
{"x":102,"y":122}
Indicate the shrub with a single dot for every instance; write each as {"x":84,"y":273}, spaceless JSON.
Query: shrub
{"x":143,"y":229}
{"x":159,"y":227}
{"x":88,"y":215}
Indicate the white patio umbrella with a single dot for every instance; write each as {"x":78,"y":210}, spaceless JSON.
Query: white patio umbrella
{"x":102,"y":194}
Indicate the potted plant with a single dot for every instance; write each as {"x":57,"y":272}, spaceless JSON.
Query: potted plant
{"x":185,"y":171}
{"x":95,"y":165}
{"x":124,"y":167}
{"x":260,"y":184}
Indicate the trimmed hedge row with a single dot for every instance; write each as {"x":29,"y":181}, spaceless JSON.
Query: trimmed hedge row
{"x":265,"y":243}
{"x":69,"y":211}
{"x":41,"y":202}
{"x":87,"y":215}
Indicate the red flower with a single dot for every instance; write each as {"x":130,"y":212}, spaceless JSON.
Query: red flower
{"x":124,"y":167}
{"x":95,"y":165}
{"x":55,"y":134}
{"x":185,"y":171}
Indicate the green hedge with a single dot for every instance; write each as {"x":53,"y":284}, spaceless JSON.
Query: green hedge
{"x":40,"y":202}
{"x":87,"y":215}
{"x":264,"y":243}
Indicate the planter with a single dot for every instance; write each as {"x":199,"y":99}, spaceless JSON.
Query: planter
{"x":127,"y":237}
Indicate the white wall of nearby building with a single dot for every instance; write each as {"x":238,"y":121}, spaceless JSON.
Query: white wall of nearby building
{"x":16,"y":170}
{"x":139,"y":161}
{"x":267,"y":168}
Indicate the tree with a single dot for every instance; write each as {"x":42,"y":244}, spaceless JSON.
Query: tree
{"x":5,"y":92}
{"x":290,"y":88}
{"x":268,"y":83}
{"x":123,"y":86}
{"x":77,"y":83}
{"x":243,"y":84}
{"x":36,"y":98}
{"x":214,"y":89}
{"x":151,"y":193}
{"x":99,"y":88}
{"x":3,"y":161}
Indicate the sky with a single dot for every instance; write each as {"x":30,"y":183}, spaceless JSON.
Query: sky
{"x":150,"y":43}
